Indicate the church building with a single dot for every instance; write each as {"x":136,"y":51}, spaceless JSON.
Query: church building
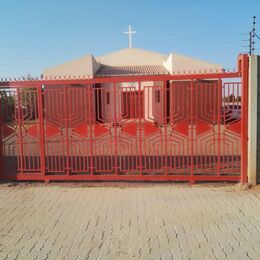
{"x":131,"y":62}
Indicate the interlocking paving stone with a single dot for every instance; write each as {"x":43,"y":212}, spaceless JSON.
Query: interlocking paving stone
{"x":135,"y":221}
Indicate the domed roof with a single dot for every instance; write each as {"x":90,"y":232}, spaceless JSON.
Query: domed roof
{"x":131,"y":61}
{"x":132,"y":57}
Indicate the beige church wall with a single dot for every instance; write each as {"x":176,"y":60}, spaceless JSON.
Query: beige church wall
{"x":168,"y":63}
{"x":158,"y":105}
{"x":95,"y":66}
{"x":84,"y":66}
{"x":93,"y":105}
{"x":76,"y":108}
{"x":147,"y":87}
{"x":108,"y":108}
{"x":152,"y":110}
{"x":177,"y":63}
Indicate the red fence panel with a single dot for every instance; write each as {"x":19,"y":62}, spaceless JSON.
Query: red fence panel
{"x":20,"y":131}
{"x":185,"y":130}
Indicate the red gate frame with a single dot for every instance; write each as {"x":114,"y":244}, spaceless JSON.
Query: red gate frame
{"x":243,"y":68}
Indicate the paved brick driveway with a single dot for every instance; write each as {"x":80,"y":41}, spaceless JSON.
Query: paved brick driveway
{"x":72,"y":221}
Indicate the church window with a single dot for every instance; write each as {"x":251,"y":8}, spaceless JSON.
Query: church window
{"x":157,"y":96}
{"x":107,"y":98}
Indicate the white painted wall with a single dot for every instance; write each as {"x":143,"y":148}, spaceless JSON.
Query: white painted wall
{"x":252,"y":121}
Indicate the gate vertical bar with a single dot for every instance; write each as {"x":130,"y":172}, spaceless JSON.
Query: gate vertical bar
{"x":244,"y":120}
{"x":115,"y":127}
{"x":41,"y":128}
{"x":165,"y":126}
{"x":19,"y":119}
{"x":2,"y":170}
{"x":90,"y":126}
{"x":219,"y":92}
{"x":65,"y":102}
{"x":140,"y":128}
{"x":192,"y":130}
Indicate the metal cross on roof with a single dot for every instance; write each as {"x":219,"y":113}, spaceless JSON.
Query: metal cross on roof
{"x":130,"y":32}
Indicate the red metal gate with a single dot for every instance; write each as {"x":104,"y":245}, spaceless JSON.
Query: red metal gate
{"x":181,"y":127}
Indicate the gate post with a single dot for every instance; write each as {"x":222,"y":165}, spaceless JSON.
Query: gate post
{"x":253,"y":120}
{"x":243,"y":67}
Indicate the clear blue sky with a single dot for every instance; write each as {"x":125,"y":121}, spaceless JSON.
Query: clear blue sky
{"x":35,"y":34}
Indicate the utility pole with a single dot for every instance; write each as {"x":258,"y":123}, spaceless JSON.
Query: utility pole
{"x":252,"y":35}
{"x":250,"y":43}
